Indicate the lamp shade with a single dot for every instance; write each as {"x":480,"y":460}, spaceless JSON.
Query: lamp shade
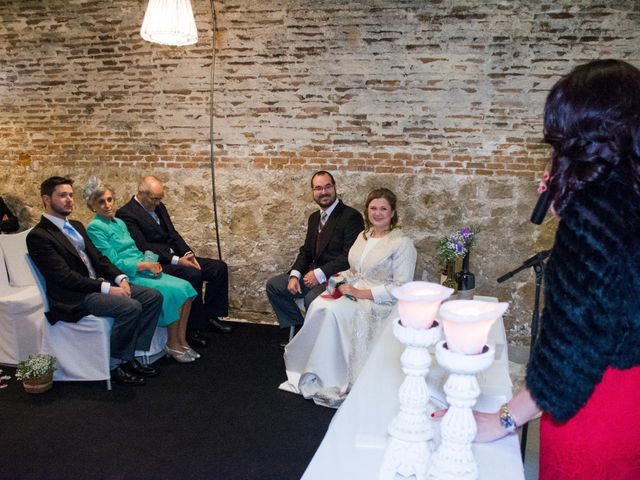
{"x":418,"y":302}
{"x":169,"y":22}
{"x":466,"y":323}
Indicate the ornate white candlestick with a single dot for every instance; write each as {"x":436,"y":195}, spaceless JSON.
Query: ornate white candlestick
{"x":464,"y":353}
{"x":454,"y":460}
{"x":410,"y":446}
{"x":409,"y":449}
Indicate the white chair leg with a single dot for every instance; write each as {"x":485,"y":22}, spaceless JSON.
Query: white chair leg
{"x":108,"y":384}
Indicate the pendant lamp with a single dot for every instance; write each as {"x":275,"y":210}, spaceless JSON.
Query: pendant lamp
{"x":169,"y":22}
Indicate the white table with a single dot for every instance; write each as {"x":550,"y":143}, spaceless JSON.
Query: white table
{"x":354,"y":444}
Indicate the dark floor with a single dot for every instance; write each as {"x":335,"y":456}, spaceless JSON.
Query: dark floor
{"x":221,"y":417}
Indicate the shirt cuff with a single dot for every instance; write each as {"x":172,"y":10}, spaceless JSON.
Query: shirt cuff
{"x":174,"y":260}
{"x":120,"y":278}
{"x":320,"y":276}
{"x":104,"y":288}
{"x":295,"y":273}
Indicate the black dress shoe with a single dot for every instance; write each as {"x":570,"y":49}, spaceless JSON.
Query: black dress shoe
{"x":124,"y":377}
{"x":196,"y":339}
{"x":219,"y":327}
{"x":135,"y":367}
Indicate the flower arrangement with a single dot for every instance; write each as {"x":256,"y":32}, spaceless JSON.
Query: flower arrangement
{"x":36,"y":366}
{"x":456,"y":245}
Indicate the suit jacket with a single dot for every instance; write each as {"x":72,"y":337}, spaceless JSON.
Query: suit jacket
{"x":9,"y":225}
{"x":65,"y":274}
{"x":148,"y":235}
{"x":338,"y":234}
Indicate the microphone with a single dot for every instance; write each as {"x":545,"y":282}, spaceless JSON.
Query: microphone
{"x":540,"y":210}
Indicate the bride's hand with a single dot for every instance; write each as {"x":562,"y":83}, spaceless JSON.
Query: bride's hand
{"x":346,"y":289}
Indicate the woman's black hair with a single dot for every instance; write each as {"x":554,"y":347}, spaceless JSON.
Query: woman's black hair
{"x":592,"y":121}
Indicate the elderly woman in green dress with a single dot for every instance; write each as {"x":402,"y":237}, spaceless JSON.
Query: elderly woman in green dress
{"x":112,"y":238}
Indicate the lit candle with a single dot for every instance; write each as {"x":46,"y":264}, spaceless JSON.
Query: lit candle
{"x":466,"y":323}
{"x":418,"y":302}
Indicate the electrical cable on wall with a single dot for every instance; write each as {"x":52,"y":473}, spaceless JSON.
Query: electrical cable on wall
{"x":211,"y":139}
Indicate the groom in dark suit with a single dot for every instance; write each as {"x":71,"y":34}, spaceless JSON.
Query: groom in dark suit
{"x":330,"y":233}
{"x":151,"y":228}
{"x":81,"y":281}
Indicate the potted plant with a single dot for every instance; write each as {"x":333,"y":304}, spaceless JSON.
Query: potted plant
{"x":36,"y":372}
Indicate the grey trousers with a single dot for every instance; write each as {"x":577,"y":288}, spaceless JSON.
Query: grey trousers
{"x":282,"y":300}
{"x":134,"y":318}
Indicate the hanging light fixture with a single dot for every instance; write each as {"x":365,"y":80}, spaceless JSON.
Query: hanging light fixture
{"x":169,"y":22}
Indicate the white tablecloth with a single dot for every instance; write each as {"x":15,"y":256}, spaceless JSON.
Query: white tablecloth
{"x":354,"y":445}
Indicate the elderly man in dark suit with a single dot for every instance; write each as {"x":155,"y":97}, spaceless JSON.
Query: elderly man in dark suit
{"x":330,"y":233}
{"x":151,"y":228}
{"x":81,"y":281}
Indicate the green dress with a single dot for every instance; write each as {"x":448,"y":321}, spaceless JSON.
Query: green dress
{"x":113,"y":240}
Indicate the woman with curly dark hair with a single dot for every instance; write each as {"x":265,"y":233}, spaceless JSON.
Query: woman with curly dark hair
{"x":584,"y":372}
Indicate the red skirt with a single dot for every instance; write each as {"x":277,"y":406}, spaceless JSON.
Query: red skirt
{"x":602,"y":441}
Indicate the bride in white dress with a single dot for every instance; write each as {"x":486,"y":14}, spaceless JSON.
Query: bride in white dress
{"x":324,"y":359}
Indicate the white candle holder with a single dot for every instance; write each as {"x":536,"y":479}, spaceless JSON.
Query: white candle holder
{"x":454,"y":460}
{"x":411,"y":444}
{"x":464,"y":353}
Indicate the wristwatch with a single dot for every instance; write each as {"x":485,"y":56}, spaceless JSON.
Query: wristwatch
{"x":506,"y":419}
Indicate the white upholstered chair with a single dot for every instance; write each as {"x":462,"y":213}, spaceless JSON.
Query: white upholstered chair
{"x":21,"y":316}
{"x":81,"y":348}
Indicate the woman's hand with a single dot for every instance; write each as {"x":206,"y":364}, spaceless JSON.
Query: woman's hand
{"x":347,"y":289}
{"x":489,"y":428}
{"x":153,"y":267}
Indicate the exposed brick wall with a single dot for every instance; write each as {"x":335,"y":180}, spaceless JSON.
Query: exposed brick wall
{"x":428,"y":97}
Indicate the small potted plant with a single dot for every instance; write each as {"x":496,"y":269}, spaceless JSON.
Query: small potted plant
{"x":36,"y":372}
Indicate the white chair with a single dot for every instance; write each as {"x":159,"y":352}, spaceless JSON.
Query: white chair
{"x":82,"y":348}
{"x":156,"y":349}
{"x":21,"y":318}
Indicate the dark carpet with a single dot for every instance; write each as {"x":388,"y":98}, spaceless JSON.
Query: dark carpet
{"x":221,"y":417}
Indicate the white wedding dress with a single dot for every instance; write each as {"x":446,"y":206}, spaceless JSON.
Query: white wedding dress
{"x":324,"y":359}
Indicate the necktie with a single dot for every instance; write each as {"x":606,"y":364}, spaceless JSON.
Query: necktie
{"x":155,"y":216}
{"x":78,"y":242}
{"x":323,"y":220}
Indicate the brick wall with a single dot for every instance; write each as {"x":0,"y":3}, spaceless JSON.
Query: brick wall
{"x":442,"y":99}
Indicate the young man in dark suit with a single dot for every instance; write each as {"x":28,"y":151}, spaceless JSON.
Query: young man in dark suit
{"x":151,"y":228}
{"x":330,"y":233}
{"x":81,"y":281}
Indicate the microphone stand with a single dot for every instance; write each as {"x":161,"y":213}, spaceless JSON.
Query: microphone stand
{"x":537,"y":263}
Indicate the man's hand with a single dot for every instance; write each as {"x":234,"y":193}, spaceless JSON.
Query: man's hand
{"x":124,"y":285}
{"x":294,"y":285}
{"x":119,"y":291}
{"x":310,"y":280}
{"x":189,"y":260}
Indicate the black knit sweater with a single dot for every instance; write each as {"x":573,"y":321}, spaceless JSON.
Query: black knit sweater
{"x":591,"y":316}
